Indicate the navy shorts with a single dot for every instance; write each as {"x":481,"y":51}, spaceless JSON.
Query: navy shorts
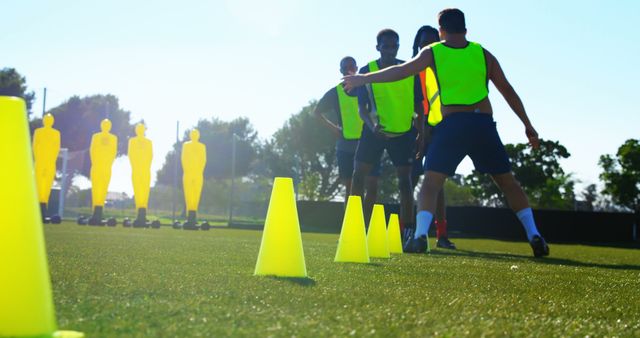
{"x":472,"y":134}
{"x":346,"y":160}
{"x":401,"y":149}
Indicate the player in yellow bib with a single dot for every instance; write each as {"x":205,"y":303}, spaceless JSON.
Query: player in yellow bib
{"x":347,"y":128}
{"x":463,"y":70}
{"x":387,"y":110}
{"x":425,"y":36}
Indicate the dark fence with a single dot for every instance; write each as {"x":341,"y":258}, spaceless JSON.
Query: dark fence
{"x":555,"y":225}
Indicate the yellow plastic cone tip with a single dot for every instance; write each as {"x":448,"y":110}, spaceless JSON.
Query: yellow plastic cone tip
{"x":26,"y":305}
{"x":352,"y":245}
{"x":377,"y":239}
{"x":281,"y":252}
{"x":393,"y":231}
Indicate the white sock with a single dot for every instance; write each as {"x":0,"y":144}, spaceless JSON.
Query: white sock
{"x":526,"y":218}
{"x":423,"y":221}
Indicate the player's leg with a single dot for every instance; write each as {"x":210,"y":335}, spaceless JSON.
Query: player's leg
{"x":489,"y":156}
{"x":345,"y":171}
{"x":406,"y":196}
{"x":428,"y":200}
{"x":519,"y":203}
{"x":360,"y":172}
{"x":401,"y":150}
{"x":441,"y":223}
{"x":446,"y":151}
{"x":371,"y":187}
{"x":367,"y":155}
{"x":416,"y":171}
{"x":441,"y":207}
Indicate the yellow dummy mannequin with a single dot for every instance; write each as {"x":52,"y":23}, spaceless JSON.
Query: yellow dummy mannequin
{"x":46,"y":145}
{"x":140,"y":156}
{"x":194,"y":159}
{"x":103,"y":150}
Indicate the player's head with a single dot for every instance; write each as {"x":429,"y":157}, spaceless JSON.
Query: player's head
{"x":451,"y":21}
{"x":425,"y":36}
{"x":105,"y":125}
{"x":194,"y":135}
{"x":388,"y":44}
{"x":140,"y":129}
{"x":48,"y":120}
{"x":348,"y":66}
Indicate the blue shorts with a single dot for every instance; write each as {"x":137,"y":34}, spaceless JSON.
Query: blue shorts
{"x":346,"y":160}
{"x":401,"y":149}
{"x":472,"y":134}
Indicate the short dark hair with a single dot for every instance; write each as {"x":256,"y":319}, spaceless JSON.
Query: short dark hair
{"x":347,"y":58}
{"x":416,"y":40}
{"x":451,"y":20}
{"x":387,"y":32}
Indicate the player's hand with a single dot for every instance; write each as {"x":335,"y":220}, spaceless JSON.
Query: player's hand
{"x":377,"y":131}
{"x":350,"y":82}
{"x":532,"y":135}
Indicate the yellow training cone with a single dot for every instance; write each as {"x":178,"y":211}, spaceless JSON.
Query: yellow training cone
{"x":393,"y":233}
{"x":26,"y":306}
{"x":377,"y":240}
{"x":281,"y":251}
{"x":352,"y":246}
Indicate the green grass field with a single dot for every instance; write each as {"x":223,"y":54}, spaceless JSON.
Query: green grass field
{"x":117,"y":282}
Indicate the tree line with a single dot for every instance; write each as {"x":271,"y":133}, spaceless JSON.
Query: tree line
{"x":304,"y":150}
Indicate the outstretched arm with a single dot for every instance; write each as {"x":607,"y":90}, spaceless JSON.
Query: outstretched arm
{"x":394,"y":73}
{"x":496,"y":75}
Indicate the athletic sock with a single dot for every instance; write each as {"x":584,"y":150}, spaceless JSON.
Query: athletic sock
{"x":526,"y":218}
{"x":441,"y":228}
{"x":423,"y":220}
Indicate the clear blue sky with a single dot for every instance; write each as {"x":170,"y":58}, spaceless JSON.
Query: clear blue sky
{"x":574,"y":63}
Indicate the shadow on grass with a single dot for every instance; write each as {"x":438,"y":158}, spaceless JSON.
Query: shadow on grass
{"x":355,"y":264}
{"x":550,"y":260}
{"x":302,"y":281}
{"x":620,"y":245}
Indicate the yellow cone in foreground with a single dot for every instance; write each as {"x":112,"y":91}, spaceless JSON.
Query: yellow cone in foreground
{"x":26,"y":304}
{"x":281,"y":251}
{"x":393,"y":233}
{"x":352,"y":246}
{"x":377,"y":240}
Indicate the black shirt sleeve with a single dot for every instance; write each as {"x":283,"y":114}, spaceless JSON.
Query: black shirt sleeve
{"x":361,"y":92}
{"x":328,"y":102}
{"x":329,"y":105}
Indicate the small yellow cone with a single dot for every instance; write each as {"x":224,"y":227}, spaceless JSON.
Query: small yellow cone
{"x":393,"y":231}
{"x":281,"y":251}
{"x":26,"y":304}
{"x":377,"y":240}
{"x":352,"y":246}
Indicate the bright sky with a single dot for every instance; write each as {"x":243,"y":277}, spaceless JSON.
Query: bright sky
{"x":574,"y":63}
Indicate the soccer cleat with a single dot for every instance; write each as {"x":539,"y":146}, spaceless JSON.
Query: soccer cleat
{"x":407,"y":234}
{"x":445,"y":243}
{"x":416,"y":245}
{"x":539,"y":246}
